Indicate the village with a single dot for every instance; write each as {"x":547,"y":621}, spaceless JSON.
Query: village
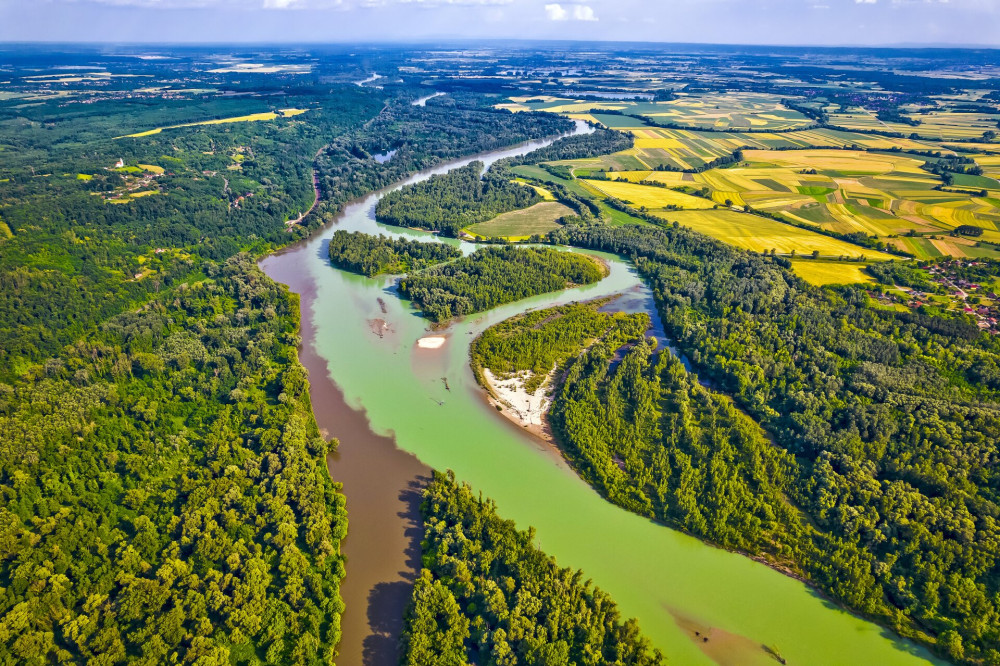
{"x":965,"y":286}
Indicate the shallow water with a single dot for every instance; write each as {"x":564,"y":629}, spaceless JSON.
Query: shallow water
{"x":400,"y":409}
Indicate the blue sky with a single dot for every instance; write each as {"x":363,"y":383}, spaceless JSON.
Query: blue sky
{"x":827,"y":22}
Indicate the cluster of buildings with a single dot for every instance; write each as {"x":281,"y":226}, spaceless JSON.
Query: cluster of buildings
{"x":953,"y":292}
{"x":134,"y":183}
{"x":973,"y":298}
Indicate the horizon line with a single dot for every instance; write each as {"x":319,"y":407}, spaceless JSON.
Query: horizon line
{"x":425,"y":41}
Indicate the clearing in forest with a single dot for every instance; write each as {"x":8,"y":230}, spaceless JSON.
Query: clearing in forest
{"x":521,"y":224}
{"x":253,"y":117}
{"x":831,"y":272}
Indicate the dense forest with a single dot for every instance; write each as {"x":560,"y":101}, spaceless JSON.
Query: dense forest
{"x":165,"y":491}
{"x":493,"y":276}
{"x":535,"y":342}
{"x":622,"y":413}
{"x":422,"y":137}
{"x":452,"y":201}
{"x":705,"y":467}
{"x":74,"y":260}
{"x":581,"y":146}
{"x":487,"y":595}
{"x":371,"y":255}
{"x":883,"y":428}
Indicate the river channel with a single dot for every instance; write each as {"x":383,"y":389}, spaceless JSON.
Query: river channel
{"x":400,"y":410}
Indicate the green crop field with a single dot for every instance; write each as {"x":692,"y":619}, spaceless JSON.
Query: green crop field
{"x":520,"y":224}
{"x":760,"y":234}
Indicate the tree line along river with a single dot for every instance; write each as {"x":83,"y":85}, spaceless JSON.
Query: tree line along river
{"x":400,"y":409}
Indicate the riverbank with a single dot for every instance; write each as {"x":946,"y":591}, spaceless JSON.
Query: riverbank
{"x":382,"y":482}
{"x":411,"y":415}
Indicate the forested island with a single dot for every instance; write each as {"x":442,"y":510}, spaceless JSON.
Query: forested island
{"x":493,"y":276}
{"x":880,"y":426}
{"x":370,"y":255}
{"x":452,"y":201}
{"x":486,"y":594}
{"x":422,"y":138}
{"x":467,"y":196}
{"x":621,"y":411}
{"x":534,"y":343}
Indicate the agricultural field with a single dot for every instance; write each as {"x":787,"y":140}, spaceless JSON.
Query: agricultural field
{"x":721,"y":111}
{"x":728,"y":111}
{"x":544,"y":193}
{"x":936,"y":125}
{"x":820,"y":272}
{"x":760,"y":234}
{"x":648,"y":196}
{"x":990,"y":165}
{"x":886,"y":195}
{"x":689,"y":149}
{"x":522,"y":224}
{"x":936,"y":246}
{"x":253,"y":117}
{"x":848,"y":182}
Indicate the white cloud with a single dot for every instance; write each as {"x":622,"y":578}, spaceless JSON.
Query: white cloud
{"x":556,"y":12}
{"x":576,"y":12}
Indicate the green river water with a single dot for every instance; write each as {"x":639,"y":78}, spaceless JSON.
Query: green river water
{"x":674,"y":584}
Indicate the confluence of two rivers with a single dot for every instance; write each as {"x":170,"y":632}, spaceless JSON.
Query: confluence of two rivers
{"x":386,"y":400}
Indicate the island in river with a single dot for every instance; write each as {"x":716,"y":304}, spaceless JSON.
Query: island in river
{"x":655,"y":574}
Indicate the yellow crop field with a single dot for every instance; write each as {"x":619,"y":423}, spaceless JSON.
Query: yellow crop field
{"x":515,"y":107}
{"x":760,"y":234}
{"x":937,"y":125}
{"x":651,"y":197}
{"x":671,"y":178}
{"x":851,"y":191}
{"x":808,"y":175}
{"x":831,"y":272}
{"x":543,"y":192}
{"x":151,"y":168}
{"x":631,"y":176}
{"x":253,"y":117}
{"x":585,"y":107}
{"x":854,"y":162}
{"x":131,"y":196}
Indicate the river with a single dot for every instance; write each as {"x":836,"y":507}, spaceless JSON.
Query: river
{"x":423,"y":100}
{"x":396,"y":417}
